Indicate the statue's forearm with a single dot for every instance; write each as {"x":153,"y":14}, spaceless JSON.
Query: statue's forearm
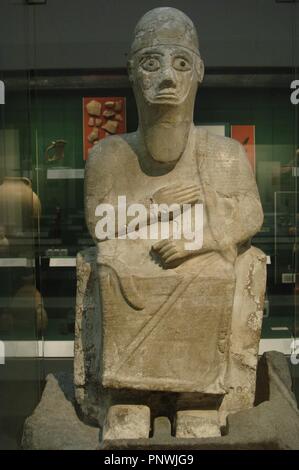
{"x":240,"y":219}
{"x":118,"y":219}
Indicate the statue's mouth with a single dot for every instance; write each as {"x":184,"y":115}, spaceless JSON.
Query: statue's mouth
{"x":166,"y":95}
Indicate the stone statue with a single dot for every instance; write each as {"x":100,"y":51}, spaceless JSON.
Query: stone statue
{"x":162,"y":329}
{"x":167,"y":334}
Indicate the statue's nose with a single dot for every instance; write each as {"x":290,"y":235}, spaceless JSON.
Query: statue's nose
{"x":167,"y":80}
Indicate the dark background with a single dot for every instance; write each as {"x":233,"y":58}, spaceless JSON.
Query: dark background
{"x":97,"y":33}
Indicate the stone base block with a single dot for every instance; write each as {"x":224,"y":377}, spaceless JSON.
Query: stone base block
{"x":54,"y":425}
{"x":197,"y":423}
{"x":127,"y":422}
{"x":273,"y":423}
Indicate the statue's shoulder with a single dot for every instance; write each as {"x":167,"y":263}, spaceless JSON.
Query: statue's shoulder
{"x":220,"y":146}
{"x":225,"y":163}
{"x":109,"y":150}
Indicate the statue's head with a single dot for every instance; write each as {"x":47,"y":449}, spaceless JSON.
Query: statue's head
{"x":164,"y":64}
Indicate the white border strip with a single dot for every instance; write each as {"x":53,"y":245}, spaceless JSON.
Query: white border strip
{"x":66,"y":348}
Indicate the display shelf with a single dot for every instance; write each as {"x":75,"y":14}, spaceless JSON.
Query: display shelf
{"x":86,"y":241}
{"x":65,"y":173}
{"x":264,"y":240}
{"x":61,"y":262}
{"x":17,"y":263}
{"x":279,"y":328}
{"x":275,"y":327}
{"x":50,"y":241}
{"x":21,"y":241}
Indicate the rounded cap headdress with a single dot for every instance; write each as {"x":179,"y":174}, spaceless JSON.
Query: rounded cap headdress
{"x":165,"y":26}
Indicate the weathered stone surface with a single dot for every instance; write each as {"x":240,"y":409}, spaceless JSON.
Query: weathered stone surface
{"x":247,"y":315}
{"x":159,"y":324}
{"x":272,"y":424}
{"x":245,"y":330}
{"x":88,"y":339}
{"x":161,"y":428}
{"x":152,"y":315}
{"x":54,"y":424}
{"x":127,"y":422}
{"x":197,"y":423}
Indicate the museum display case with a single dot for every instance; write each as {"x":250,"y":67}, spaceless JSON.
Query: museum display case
{"x":42,"y":198}
{"x":22,"y":314}
{"x":57,"y":130}
{"x":50,"y":120}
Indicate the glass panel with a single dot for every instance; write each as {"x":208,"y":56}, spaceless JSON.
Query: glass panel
{"x":261,"y":108}
{"x":21,"y":307}
{"x":57,"y":132}
{"x":268,"y":114}
{"x":46,"y":129}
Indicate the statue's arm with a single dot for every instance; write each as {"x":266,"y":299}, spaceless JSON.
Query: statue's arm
{"x":230,"y":219}
{"x":100,"y":189}
{"x":240,"y":212}
{"x":97,"y":185}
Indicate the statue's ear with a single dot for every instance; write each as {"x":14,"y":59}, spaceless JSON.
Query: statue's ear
{"x":130,"y":69}
{"x":200,"y":69}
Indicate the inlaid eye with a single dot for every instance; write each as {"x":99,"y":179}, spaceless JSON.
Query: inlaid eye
{"x":181,"y":64}
{"x":151,"y":64}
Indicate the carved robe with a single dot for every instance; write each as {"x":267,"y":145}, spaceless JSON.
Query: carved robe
{"x":170,"y":329}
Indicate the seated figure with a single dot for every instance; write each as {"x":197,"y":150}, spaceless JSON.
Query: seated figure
{"x":155,"y":318}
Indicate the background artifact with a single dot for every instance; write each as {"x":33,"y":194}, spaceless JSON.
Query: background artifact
{"x":107,"y":116}
{"x":19,"y":206}
{"x":55,"y":151}
{"x":27,"y":308}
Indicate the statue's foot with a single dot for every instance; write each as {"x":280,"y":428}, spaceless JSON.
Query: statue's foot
{"x":127,"y":422}
{"x":197,"y":424}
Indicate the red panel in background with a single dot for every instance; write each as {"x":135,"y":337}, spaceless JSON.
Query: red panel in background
{"x":245,"y":134}
{"x":102,"y":117}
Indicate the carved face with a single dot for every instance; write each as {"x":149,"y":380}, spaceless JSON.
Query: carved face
{"x":165,"y":74}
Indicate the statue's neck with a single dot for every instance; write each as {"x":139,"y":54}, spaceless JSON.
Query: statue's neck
{"x":165,"y":132}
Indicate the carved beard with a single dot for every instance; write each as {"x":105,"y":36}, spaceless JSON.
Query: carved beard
{"x":166,"y":142}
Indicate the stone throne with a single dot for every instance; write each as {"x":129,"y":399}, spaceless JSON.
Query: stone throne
{"x":94,"y":399}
